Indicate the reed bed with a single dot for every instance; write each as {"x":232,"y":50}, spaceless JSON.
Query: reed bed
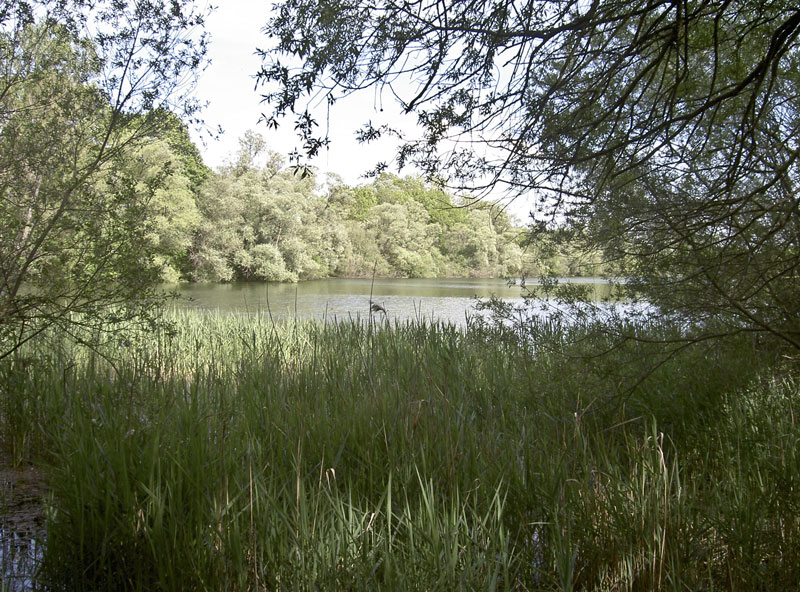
{"x":232,"y":453}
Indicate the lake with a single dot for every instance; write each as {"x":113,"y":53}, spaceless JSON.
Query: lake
{"x":335,"y":299}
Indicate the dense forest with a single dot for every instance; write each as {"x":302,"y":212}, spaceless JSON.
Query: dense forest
{"x":255,"y":218}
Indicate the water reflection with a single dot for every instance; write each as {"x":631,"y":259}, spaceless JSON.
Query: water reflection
{"x":20,"y":554}
{"x":450,"y":300}
{"x":22,"y":529}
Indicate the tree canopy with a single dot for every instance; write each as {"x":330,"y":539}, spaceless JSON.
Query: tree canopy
{"x":663,"y":133}
{"x":258,"y":219}
{"x":82,"y":86}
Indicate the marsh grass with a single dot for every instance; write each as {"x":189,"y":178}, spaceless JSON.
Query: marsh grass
{"x":232,"y":453}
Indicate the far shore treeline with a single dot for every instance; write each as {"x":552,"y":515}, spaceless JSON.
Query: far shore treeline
{"x":255,"y":218}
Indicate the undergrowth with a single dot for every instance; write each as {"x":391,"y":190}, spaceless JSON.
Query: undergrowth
{"x":235,"y":454}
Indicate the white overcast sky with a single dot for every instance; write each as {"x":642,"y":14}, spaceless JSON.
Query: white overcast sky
{"x":228,"y":85}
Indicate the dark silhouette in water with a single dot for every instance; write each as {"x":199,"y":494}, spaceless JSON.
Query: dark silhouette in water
{"x":377,"y":308}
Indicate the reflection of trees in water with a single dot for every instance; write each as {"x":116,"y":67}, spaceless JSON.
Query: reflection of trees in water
{"x":448,"y":300}
{"x":22,"y":524}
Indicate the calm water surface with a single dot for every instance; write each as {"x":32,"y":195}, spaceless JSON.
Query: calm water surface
{"x":440,"y":299}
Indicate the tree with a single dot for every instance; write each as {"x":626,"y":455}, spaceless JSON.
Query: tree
{"x":404,"y":238}
{"x":171,"y":214}
{"x":83,"y":84}
{"x":662,"y":133}
{"x":260,"y":221}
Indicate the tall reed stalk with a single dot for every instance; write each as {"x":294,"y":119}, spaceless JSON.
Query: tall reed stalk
{"x":237,"y":454}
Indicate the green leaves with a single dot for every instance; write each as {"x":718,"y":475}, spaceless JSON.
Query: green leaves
{"x":663,"y":133}
{"x":75,"y":192}
{"x":261,"y":221}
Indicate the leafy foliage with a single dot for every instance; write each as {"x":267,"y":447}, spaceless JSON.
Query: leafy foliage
{"x":76,"y":248}
{"x":261,"y":220}
{"x":660,"y":134}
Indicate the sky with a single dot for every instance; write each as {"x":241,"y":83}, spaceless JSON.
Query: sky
{"x":228,"y":85}
{"x":234,"y":104}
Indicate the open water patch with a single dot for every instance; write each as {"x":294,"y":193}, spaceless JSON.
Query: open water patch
{"x":22,"y":526}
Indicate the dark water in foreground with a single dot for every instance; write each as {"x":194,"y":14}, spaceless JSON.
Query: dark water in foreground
{"x":21,"y":525}
{"x":331,"y":299}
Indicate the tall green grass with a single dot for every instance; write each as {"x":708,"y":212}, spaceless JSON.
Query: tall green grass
{"x":234,"y":454}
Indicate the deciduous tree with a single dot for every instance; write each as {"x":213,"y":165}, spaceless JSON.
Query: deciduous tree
{"x":82,"y":84}
{"x":663,"y":133}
